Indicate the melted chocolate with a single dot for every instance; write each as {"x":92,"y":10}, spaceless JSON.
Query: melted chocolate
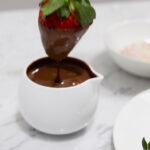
{"x":72,"y":72}
{"x":57,"y":42}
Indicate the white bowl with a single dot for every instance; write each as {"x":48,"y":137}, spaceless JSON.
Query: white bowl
{"x":123,"y":34}
{"x":59,"y":110}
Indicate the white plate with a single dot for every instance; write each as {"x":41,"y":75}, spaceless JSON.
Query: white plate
{"x":133,"y":123}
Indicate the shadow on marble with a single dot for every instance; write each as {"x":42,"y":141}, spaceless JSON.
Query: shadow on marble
{"x":112,"y":145}
{"x":116,"y":79}
{"x":26,"y":128}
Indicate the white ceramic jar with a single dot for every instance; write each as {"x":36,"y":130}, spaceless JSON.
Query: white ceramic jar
{"x":59,"y":110}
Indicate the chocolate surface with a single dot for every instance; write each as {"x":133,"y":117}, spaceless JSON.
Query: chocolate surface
{"x":57,"y":42}
{"x":72,"y":72}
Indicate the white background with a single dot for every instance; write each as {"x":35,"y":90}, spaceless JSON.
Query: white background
{"x":23,"y":4}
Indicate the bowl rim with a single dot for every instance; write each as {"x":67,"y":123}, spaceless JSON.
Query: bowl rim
{"x":117,"y":25}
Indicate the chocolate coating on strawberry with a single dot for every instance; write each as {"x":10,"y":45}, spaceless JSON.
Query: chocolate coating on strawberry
{"x":59,"y":42}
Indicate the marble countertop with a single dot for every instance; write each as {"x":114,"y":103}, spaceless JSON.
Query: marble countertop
{"x":20,"y":43}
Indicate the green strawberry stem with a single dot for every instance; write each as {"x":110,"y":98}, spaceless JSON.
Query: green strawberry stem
{"x":83,"y":9}
{"x":146,"y":146}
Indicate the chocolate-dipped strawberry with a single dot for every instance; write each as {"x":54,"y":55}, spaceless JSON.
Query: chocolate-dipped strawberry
{"x":62,"y":23}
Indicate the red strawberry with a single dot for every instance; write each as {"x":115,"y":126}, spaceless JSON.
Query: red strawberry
{"x":53,"y":21}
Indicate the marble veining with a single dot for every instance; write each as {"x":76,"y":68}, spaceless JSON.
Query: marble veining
{"x":20,"y":44}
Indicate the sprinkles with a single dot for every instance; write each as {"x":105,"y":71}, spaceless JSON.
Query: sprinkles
{"x":138,"y":50}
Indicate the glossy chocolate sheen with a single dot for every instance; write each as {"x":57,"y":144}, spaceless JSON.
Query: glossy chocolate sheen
{"x":72,"y":72}
{"x":59,"y":42}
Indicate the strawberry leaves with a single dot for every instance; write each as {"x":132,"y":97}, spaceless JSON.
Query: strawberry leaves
{"x":83,"y":9}
{"x":63,"y":12}
{"x":146,"y":146}
{"x":85,"y":12}
{"x":52,"y":6}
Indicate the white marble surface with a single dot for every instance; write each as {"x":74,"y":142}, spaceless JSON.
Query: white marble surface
{"x":20,"y":43}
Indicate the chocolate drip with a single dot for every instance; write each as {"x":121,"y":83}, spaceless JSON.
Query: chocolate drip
{"x":58,"y":43}
{"x":58,"y":80}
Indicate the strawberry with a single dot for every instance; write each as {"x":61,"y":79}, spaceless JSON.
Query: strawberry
{"x":73,"y":17}
{"x":53,"y":21}
{"x":66,"y":14}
